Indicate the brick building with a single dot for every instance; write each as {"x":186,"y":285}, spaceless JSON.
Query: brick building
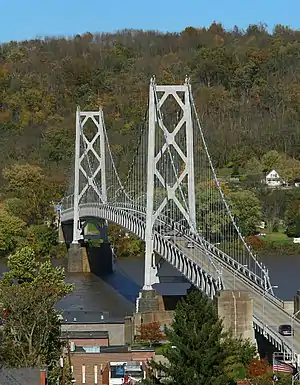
{"x":95,"y":340}
{"x":92,"y":368}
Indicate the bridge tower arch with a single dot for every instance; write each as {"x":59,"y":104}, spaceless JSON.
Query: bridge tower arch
{"x":89,"y":184}
{"x":89,"y":179}
{"x":169,"y":146}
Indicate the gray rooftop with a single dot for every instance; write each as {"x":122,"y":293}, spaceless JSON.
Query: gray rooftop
{"x":88,"y":317}
{"x":22,"y":376}
{"x":110,"y":349}
{"x":84,"y":335}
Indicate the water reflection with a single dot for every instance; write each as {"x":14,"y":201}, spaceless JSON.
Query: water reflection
{"x":115,"y":294}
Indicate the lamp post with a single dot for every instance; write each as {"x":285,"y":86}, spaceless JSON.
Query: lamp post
{"x":234,"y":272}
{"x":263,"y":304}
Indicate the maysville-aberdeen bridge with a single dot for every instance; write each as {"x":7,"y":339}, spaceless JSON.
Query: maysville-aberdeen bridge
{"x":172,"y":199}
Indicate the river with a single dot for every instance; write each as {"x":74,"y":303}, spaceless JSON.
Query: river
{"x":115,"y":294}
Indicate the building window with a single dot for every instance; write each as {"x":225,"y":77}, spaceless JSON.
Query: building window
{"x":117,"y":371}
{"x":95,"y":374}
{"x":91,"y":349}
{"x":83,"y":374}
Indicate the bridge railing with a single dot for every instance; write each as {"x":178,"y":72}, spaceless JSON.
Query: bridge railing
{"x":197,"y":239}
{"x":67,"y":202}
{"x":209,"y":250}
{"x":271,"y":335}
{"x":258,"y":289}
{"x":215,"y":252}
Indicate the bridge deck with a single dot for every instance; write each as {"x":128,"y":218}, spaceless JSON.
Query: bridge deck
{"x":266,"y":309}
{"x":266,"y":322}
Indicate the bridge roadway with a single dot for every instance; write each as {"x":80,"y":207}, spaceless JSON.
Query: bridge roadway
{"x":268,"y":310}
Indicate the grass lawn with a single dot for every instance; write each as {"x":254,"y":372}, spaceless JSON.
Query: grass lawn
{"x":92,"y":229}
{"x":278,"y":238}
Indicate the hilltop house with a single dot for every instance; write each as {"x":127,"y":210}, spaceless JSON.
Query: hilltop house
{"x":273,"y":179}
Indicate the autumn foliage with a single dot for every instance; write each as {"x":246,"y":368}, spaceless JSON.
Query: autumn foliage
{"x":257,"y":368}
{"x":255,"y":242}
{"x":151,"y":333}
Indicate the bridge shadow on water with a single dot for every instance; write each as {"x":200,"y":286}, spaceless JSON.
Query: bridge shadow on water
{"x":127,"y":278}
{"x":119,"y":280}
{"x":122,"y":283}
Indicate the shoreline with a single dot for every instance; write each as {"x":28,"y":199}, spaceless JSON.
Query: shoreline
{"x":278,"y":253}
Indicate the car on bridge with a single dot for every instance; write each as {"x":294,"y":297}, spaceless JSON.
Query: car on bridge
{"x":190,"y":245}
{"x":285,"y":330}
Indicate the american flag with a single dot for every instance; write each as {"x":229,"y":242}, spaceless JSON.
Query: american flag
{"x":281,"y":366}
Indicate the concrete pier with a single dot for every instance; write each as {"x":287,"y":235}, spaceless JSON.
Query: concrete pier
{"x":148,"y":301}
{"x":235,"y":308}
{"x":78,"y":259}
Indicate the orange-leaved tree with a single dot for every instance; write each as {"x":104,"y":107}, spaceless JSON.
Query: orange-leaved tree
{"x":151,"y":333}
{"x":257,"y":368}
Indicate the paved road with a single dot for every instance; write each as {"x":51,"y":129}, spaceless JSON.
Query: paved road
{"x":264,"y":308}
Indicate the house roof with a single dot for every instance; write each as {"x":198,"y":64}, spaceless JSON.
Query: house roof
{"x":22,"y":376}
{"x":103,"y":349}
{"x":89,"y":317}
{"x":111,"y":349}
{"x":272,"y":172}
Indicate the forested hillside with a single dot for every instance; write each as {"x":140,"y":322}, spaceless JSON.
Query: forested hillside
{"x":246,"y":85}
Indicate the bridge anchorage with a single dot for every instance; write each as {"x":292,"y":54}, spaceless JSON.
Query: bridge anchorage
{"x":172,"y":199}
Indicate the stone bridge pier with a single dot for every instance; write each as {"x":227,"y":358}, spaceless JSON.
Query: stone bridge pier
{"x":93,"y":253}
{"x":235,"y":308}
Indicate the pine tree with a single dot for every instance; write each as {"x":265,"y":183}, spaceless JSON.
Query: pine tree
{"x":196,"y":355}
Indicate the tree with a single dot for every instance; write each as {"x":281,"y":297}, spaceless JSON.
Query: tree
{"x":212,"y":216}
{"x":257,"y":368}
{"x":246,"y":207}
{"x":261,"y":373}
{"x":253,"y":173}
{"x":270,"y":160}
{"x":150,"y":333}
{"x":289,"y":169}
{"x":274,"y":205}
{"x":125,"y":244}
{"x":29,"y":291}
{"x":12,"y":231}
{"x":43,"y":239}
{"x":240,"y":353}
{"x":253,"y":166}
{"x":197,"y":352}
{"x":31,"y":193}
{"x":292,"y":218}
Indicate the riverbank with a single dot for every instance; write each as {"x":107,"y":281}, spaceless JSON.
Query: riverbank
{"x":274,"y":244}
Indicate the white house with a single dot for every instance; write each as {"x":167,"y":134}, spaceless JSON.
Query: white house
{"x":273,"y":179}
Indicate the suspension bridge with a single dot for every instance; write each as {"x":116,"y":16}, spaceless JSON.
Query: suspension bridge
{"x":172,"y":199}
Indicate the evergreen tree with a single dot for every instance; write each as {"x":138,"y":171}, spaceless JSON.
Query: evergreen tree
{"x":292,"y":218}
{"x":196,"y":354}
